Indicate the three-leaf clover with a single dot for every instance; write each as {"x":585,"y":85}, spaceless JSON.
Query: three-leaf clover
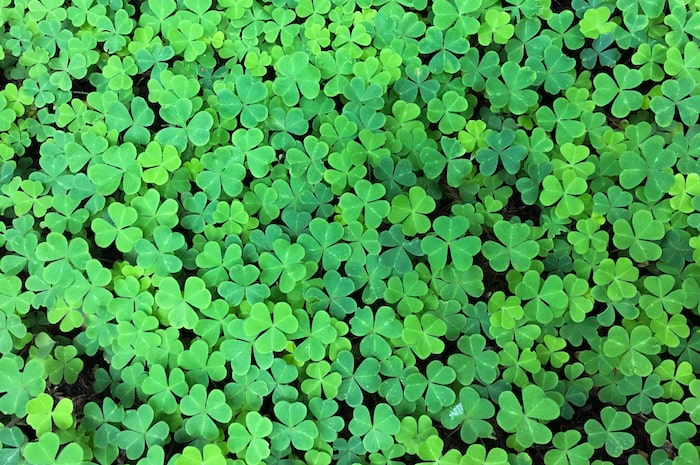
{"x":375,"y":328}
{"x":270,"y":327}
{"x":180,"y":305}
{"x":21,"y":384}
{"x":203,"y":408}
{"x":117,"y":228}
{"x":564,"y":193}
{"x":411,"y":210}
{"x":524,"y":419}
{"x":293,"y":427}
{"x":141,"y":431}
{"x":513,"y":91}
{"x":160,"y":256}
{"x":676,"y":95}
{"x":162,"y":388}
{"x":284,"y":264}
{"x":376,"y":429}
{"x":184,"y":126}
{"x":322,"y":243}
{"x":296,"y":76}
{"x":568,"y":450}
{"x":446,"y":111}
{"x":451,"y":236}
{"x":652,"y":166}
{"x":665,"y":424}
{"x":633,"y":348}
{"x":617,"y":278}
{"x":367,"y":202}
{"x":621,"y":90}
{"x":514,"y":248}
{"x":471,"y":415}
{"x":423,"y":334}
{"x":611,"y":432}
{"x":640,"y":237}
{"x":249,"y":441}
{"x":450,"y":157}
{"x":500,"y":148}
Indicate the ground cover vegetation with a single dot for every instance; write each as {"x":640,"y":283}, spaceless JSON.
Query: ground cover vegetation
{"x":457,"y":232}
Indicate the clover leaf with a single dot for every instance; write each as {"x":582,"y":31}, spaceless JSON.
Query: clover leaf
{"x":408,"y":291}
{"x":42,"y":415}
{"x":364,"y":377}
{"x":367,"y":201}
{"x":410,"y":210}
{"x":619,"y":90}
{"x":180,"y":305}
{"x":618,"y":277}
{"x":243,"y":285}
{"x":322,"y":243}
{"x":204,"y":408}
{"x":642,"y":394}
{"x":640,"y":236}
{"x":513,"y":91}
{"x":210,"y":455}
{"x":556,"y":67}
{"x":249,"y":441}
{"x":676,"y":96}
{"x":595,"y":22}
{"x":141,"y":431}
{"x":471,"y":412}
{"x":524,"y":419}
{"x":45,"y":451}
{"x":296,"y":76}
{"x":500,"y":148}
{"x":376,"y":430}
{"x":293,"y":427}
{"x":64,"y":366}
{"x":565,"y":116}
{"x":23,"y":384}
{"x":247,"y":144}
{"x":185,"y":126}
{"x":60,"y":256}
{"x":158,"y":162}
{"x":663,"y":425}
{"x":274,"y":324}
{"x":564,"y":193}
{"x":422,"y":334}
{"x":446,"y":111}
{"x":285,"y":264}
{"x":633,"y":347}
{"x":611,"y":432}
{"x":162,"y":387}
{"x":568,"y":449}
{"x":375,"y":328}
{"x":319,"y":334}
{"x":434,"y":386}
{"x":202,"y":364}
{"x":321,"y":379}
{"x":443,"y":46}
{"x":450,"y":237}
{"x":514,"y":248}
{"x":433,"y":449}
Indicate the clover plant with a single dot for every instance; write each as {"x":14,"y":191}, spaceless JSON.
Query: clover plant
{"x":349,"y":231}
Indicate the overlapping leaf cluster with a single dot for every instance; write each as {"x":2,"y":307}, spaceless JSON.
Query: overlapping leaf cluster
{"x":349,"y":231}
